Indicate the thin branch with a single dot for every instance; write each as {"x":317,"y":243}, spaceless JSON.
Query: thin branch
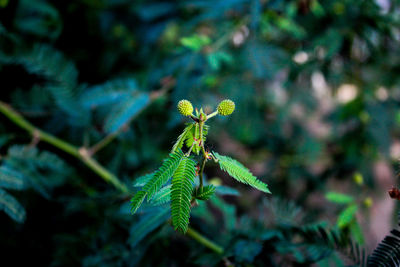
{"x":80,"y":154}
{"x":110,"y":137}
{"x":204,"y":160}
{"x":203,"y":163}
{"x":103,"y":143}
{"x":204,"y":241}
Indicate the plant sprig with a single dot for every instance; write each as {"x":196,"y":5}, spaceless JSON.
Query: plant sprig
{"x":183,"y":169}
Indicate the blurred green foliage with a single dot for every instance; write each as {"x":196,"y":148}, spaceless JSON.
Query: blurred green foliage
{"x":316,"y":89}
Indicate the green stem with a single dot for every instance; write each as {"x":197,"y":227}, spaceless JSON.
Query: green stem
{"x":24,"y":124}
{"x":201,"y":125}
{"x":103,"y":143}
{"x":209,"y":116}
{"x":101,"y":171}
{"x":109,"y":138}
{"x":190,"y":150}
{"x":81,"y":154}
{"x":204,"y":241}
{"x":84,"y":155}
{"x":203,"y":163}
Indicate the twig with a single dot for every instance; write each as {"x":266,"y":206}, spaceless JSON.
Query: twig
{"x":80,"y":154}
{"x":110,"y":137}
{"x":103,"y":143}
{"x":204,"y":241}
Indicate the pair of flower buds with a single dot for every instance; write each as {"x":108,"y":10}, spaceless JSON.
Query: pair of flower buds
{"x":225,"y":107}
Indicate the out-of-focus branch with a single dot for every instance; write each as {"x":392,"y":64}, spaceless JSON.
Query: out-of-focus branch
{"x":168,"y":83}
{"x":79,"y":153}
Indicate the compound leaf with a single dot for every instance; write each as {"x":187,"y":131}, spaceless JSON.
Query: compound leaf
{"x":137,"y":200}
{"x":162,"y":175}
{"x":12,"y":207}
{"x":240,"y":172}
{"x":181,"y":194}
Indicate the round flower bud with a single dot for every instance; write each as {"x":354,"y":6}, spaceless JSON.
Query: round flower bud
{"x":368,"y":202}
{"x":226,"y":107}
{"x":358,"y":178}
{"x":185,"y":107}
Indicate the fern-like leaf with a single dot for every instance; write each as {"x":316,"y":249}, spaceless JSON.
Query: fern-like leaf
{"x":11,"y":179}
{"x":45,"y":61}
{"x":147,"y":224}
{"x":108,"y":93}
{"x":38,"y":18}
{"x":137,"y":200}
{"x":181,"y":194}
{"x":162,"y":197}
{"x":240,"y":172}
{"x":181,"y":139}
{"x":125,"y":112}
{"x":205,"y":193}
{"x":162,"y":175}
{"x":12,"y":207}
{"x":142,"y":180}
{"x":61,"y":78}
{"x":387,"y":253}
{"x":41,"y":159}
{"x":333,"y":239}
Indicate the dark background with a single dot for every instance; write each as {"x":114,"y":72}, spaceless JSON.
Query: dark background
{"x":317,"y":93}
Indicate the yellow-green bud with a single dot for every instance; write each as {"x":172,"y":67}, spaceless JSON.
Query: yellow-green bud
{"x":185,"y":107}
{"x":358,"y":178}
{"x":368,"y":202}
{"x":226,"y":107}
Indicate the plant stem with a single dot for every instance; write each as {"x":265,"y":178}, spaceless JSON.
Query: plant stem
{"x":84,"y":155}
{"x":110,"y":137}
{"x":190,"y":150}
{"x":209,"y":116}
{"x":80,"y":154}
{"x":103,"y":143}
{"x":204,"y":241}
{"x":203,"y":163}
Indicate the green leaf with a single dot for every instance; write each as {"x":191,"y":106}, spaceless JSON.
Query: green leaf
{"x":206,"y":193}
{"x":11,"y":179}
{"x":147,"y":223}
{"x":223,"y":190}
{"x":181,"y":139}
{"x":240,"y":173}
{"x":61,"y":78}
{"x":162,"y":197}
{"x":40,"y":18}
{"x":181,"y":194}
{"x":137,"y":200}
{"x":162,"y":175}
{"x":195,"y":42}
{"x":12,"y":207}
{"x":216,"y":59}
{"x":347,"y":216}
{"x":142,"y":180}
{"x":123,"y":113}
{"x":356,"y":232}
{"x":41,"y":159}
{"x":339,"y":198}
{"x":228,"y":212}
{"x":246,"y":250}
{"x":110,"y":92}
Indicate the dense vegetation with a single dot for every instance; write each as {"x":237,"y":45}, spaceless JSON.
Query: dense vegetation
{"x":89,"y":90}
